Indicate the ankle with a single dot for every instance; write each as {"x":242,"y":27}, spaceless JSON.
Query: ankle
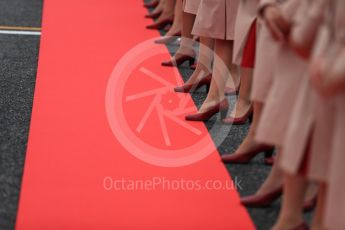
{"x":244,"y":101}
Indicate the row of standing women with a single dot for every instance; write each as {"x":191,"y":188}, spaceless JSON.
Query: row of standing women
{"x":291,"y":81}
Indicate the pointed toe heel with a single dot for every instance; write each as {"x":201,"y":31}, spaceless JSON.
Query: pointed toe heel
{"x":262,"y":200}
{"x":239,"y":120}
{"x":159,"y":25}
{"x":179,"y":61}
{"x":245,"y":157}
{"x":220,"y":107}
{"x":189,"y":88}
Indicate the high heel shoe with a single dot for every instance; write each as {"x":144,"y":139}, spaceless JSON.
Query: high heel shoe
{"x":153,"y":15}
{"x":265,"y":200}
{"x":152,"y":4}
{"x":188,"y":88}
{"x":221,"y":107}
{"x":179,"y":61}
{"x":262,"y":200}
{"x":302,"y":226}
{"x":245,"y":158}
{"x":239,"y":120}
{"x":193,"y":67}
{"x":168,"y":39}
{"x":160,"y":25}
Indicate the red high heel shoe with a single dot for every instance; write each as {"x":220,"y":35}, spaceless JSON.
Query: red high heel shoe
{"x":152,"y":4}
{"x":245,"y":158}
{"x":302,"y":226}
{"x":153,"y":15}
{"x":179,"y":61}
{"x":269,"y":160}
{"x":188,"y":88}
{"x":193,"y":67}
{"x":262,"y":200}
{"x":239,"y":120}
{"x":168,"y":39}
{"x":265,"y":200}
{"x":160,"y":25}
{"x":221,"y":107}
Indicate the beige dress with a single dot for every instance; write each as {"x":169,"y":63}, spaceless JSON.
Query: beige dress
{"x":311,"y":124}
{"x":266,"y":53}
{"x":335,"y":203}
{"x":265,"y":58}
{"x":320,"y":121}
{"x":288,"y":69}
{"x":246,"y":15}
{"x":191,"y":6}
{"x":216,"y":19}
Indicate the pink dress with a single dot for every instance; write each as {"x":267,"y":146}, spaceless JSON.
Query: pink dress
{"x":191,"y":6}
{"x":245,"y":19}
{"x":266,"y":53}
{"x":288,"y":69}
{"x":216,"y":19}
{"x":319,"y":121}
{"x":307,"y":127}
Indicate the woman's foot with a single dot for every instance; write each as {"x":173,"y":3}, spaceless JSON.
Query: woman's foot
{"x":161,"y":23}
{"x":211,"y":108}
{"x":151,"y":4}
{"x":199,"y":82}
{"x":291,"y":225}
{"x":166,"y":17}
{"x":159,"y":9}
{"x":184,"y":53}
{"x":242,"y":111}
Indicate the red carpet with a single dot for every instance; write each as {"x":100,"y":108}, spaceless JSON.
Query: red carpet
{"x":72,"y":147}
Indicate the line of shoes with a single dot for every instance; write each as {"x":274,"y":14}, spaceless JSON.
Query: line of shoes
{"x":164,"y":23}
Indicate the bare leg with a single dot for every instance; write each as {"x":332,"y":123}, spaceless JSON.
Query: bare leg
{"x":205,"y":57}
{"x":177,"y":24}
{"x":317,"y":223}
{"x":160,"y":7}
{"x":291,"y":213}
{"x":274,"y":179}
{"x":221,"y":72}
{"x":235,"y":81}
{"x":186,"y":45}
{"x":243,"y":103}
{"x":167,"y":11}
{"x":249,"y":142}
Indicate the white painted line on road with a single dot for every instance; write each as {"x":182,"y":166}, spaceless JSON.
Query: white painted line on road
{"x":20,"y":32}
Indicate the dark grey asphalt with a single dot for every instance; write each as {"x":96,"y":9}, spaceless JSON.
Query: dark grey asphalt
{"x":18,"y":64}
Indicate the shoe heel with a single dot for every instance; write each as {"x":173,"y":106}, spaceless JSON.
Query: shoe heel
{"x":223,"y":113}
{"x":250,"y":118}
{"x":269,"y":153}
{"x":208,"y":86}
{"x":191,"y":61}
